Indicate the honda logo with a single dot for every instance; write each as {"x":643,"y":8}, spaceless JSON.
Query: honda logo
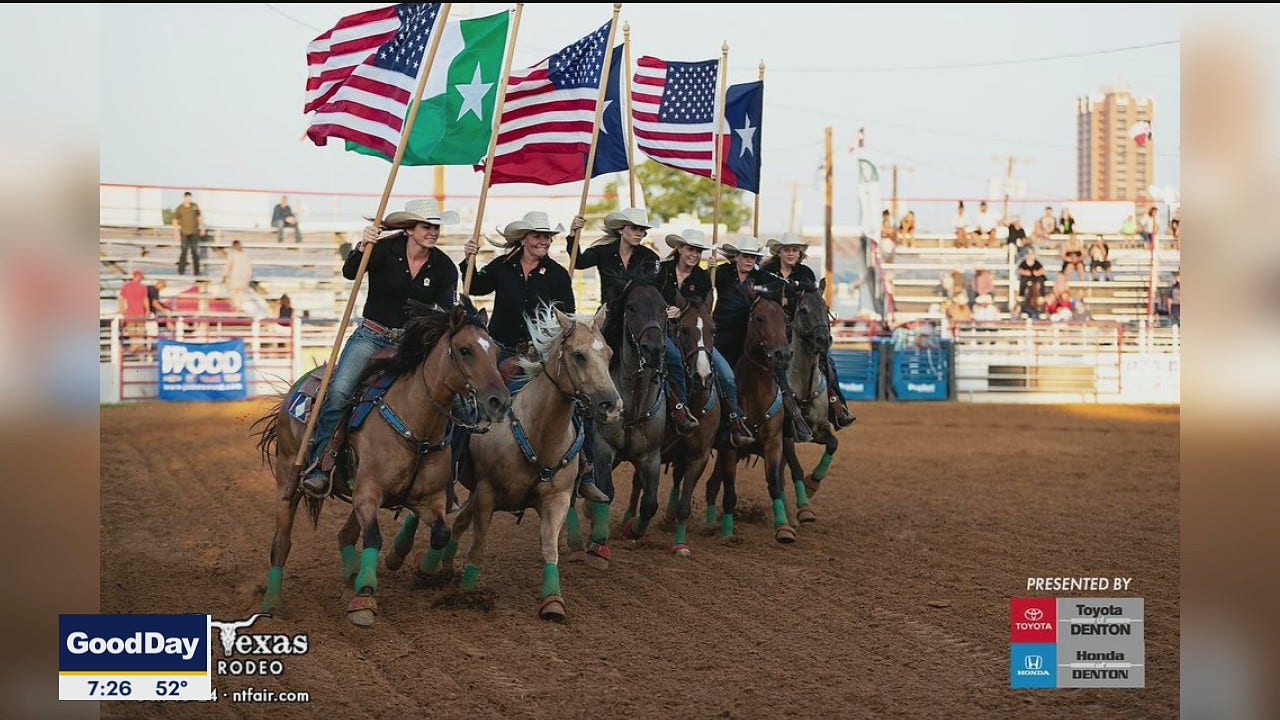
{"x":1033,"y":662}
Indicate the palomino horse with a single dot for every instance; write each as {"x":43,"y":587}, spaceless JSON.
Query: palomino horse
{"x":442,"y":355}
{"x":636,"y":436}
{"x":810,"y":340}
{"x":765,"y":352}
{"x":532,"y":460}
{"x":689,"y":454}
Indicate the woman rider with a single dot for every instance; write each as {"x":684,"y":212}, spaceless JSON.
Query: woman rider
{"x":788,"y":263}
{"x":402,"y":266}
{"x":682,"y":273}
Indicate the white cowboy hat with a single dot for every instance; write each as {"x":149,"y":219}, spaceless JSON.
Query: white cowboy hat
{"x":420,"y":211}
{"x":984,"y":299}
{"x":618,"y":219}
{"x":514,"y":232}
{"x":745,"y":246}
{"x":787,"y":240}
{"x":692,"y":237}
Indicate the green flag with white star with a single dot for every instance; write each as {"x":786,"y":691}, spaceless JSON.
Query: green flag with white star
{"x":455,"y":123}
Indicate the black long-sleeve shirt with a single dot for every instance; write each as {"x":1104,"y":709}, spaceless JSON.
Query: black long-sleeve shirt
{"x":733,"y":307}
{"x":390,"y":283}
{"x":696,"y":285}
{"x":515,"y":295}
{"x":802,"y":276}
{"x":608,"y":260}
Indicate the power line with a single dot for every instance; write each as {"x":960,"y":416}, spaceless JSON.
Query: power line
{"x":978,"y":64}
{"x":287,"y":16}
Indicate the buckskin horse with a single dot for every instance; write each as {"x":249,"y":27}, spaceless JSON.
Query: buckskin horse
{"x":810,"y":340}
{"x":765,"y":352}
{"x":532,"y":459}
{"x":400,"y":459}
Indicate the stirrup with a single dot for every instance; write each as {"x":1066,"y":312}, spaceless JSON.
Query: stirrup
{"x":740,"y":435}
{"x":690,"y":422}
{"x":312,"y":471}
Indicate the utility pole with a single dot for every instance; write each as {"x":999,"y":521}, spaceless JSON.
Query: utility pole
{"x":894,"y":201}
{"x":795,"y":205}
{"x":829,"y":241}
{"x":1008,"y":177}
{"x":440,"y":186}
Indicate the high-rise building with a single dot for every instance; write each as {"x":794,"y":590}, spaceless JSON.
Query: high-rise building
{"x":1110,"y":165}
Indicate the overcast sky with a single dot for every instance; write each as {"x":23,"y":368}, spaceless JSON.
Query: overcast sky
{"x":211,"y":96}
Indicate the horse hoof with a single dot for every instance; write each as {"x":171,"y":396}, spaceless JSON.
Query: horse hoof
{"x":806,"y":515}
{"x":270,"y":604}
{"x":810,"y":485}
{"x":682,"y":551}
{"x":393,"y":561}
{"x":362,"y":610}
{"x":711,"y":530}
{"x":552,"y":609}
{"x":785,"y":534}
{"x":598,"y":556}
{"x":629,"y":530}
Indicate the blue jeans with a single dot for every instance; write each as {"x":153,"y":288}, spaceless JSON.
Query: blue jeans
{"x":725,"y":381}
{"x":675,"y":371}
{"x":281,"y":226}
{"x":344,"y":383}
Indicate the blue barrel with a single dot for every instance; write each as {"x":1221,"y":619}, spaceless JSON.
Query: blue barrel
{"x":858,"y":367}
{"x":922,"y":374}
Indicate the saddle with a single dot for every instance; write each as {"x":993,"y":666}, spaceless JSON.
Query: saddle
{"x":373,"y":384}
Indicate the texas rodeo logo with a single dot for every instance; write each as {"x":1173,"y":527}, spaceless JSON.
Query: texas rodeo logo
{"x":254,"y":654}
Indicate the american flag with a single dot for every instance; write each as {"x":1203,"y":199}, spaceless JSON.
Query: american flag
{"x":544,"y":134}
{"x":361,"y":75}
{"x":673,"y":110}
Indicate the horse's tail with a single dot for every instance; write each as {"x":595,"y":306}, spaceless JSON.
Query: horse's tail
{"x":267,"y":428}
{"x":314,"y":506}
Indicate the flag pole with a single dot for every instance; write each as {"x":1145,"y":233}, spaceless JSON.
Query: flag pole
{"x":631,"y":128}
{"x":595,"y":133}
{"x":715,"y":154}
{"x":493,"y":145}
{"x":314,"y":416}
{"x":755,"y":214}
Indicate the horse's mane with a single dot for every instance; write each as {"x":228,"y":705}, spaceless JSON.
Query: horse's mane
{"x":425,"y":326}
{"x":641,"y":275}
{"x":544,"y":331}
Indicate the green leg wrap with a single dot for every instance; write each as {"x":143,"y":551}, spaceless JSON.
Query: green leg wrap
{"x":574,"y":528}
{"x":431,"y":560}
{"x":673,"y":498}
{"x":628,"y":515}
{"x":682,"y":533}
{"x":726,"y":525}
{"x":820,"y":472}
{"x":446,"y":557}
{"x":600,"y":523}
{"x":470,"y":577}
{"x":713,"y":515}
{"x":350,"y":563}
{"x":802,"y":495}
{"x":550,"y":580}
{"x":275,"y":578}
{"x":404,"y":538}
{"x":368,"y":577}
{"x":779,"y":513}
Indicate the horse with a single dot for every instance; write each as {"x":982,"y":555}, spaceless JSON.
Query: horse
{"x":532,"y":460}
{"x":636,"y":436}
{"x":766,"y":351}
{"x":404,"y":460}
{"x":810,"y":340}
{"x":689,"y":454}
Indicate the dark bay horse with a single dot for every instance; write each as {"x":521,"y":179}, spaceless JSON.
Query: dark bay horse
{"x":765,"y":351}
{"x":810,"y":340}
{"x":532,"y":459}
{"x":442,"y":355}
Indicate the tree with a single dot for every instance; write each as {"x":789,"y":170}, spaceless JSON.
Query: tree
{"x":669,"y":192}
{"x":608,"y":203}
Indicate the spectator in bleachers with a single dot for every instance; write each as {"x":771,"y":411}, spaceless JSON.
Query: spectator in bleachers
{"x":986,"y":224}
{"x":1099,"y":259}
{"x":188,"y":228}
{"x":1073,"y":258}
{"x":984,"y":309}
{"x":1067,"y":225}
{"x":282,"y":217}
{"x":1175,"y":300}
{"x":1150,"y":226}
{"x":133,"y":308}
{"x":1033,"y":303}
{"x":984,"y":282}
{"x":1047,"y":225}
{"x":156,"y":307}
{"x":887,"y":231}
{"x":286,"y":311}
{"x":1061,"y":308}
{"x":957,"y":308}
{"x":1129,"y":228}
{"x":238,"y":275}
{"x":1017,"y":235}
{"x":1030,"y":272}
{"x":1175,"y":228}
{"x":907,"y":228}
{"x":961,"y":224}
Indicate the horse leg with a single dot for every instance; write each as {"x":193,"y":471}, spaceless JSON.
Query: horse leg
{"x":632,"y":504}
{"x":726,"y":468}
{"x":364,"y":607}
{"x":573,"y":526}
{"x":403,"y":543}
{"x":804,"y":511}
{"x":687,"y":475}
{"x":782,"y":530}
{"x":432,"y":561}
{"x":552,"y":514}
{"x":713,"y":491}
{"x":678,"y":468}
{"x":814,"y":479}
{"x":460,"y":525}
{"x":598,"y":549}
{"x":347,"y":538}
{"x":483,"y":514}
{"x":286,"y":511}
{"x":646,"y":478}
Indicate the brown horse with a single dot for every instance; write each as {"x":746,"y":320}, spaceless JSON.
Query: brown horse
{"x":765,"y":352}
{"x":810,"y":340}
{"x":532,"y":460}
{"x":442,"y":355}
{"x":689,"y":454}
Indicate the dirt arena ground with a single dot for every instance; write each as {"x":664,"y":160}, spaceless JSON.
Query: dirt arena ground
{"x":896,"y":604}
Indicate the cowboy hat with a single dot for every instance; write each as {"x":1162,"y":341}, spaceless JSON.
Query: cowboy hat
{"x":618,"y":219}
{"x":419,"y":211}
{"x":787,"y":240}
{"x":692,"y":237}
{"x":745,"y":246}
{"x":536,"y":221}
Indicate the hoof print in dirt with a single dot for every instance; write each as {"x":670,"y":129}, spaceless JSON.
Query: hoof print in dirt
{"x":480,"y":600}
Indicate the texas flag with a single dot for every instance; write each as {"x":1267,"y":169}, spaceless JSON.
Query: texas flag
{"x":740,"y":146}
{"x":1140,"y":132}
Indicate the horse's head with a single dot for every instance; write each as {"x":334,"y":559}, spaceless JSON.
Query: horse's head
{"x":582,"y":365}
{"x":811,"y":321}
{"x":644,"y":317}
{"x":694,"y":330}
{"x":767,"y":330}
{"x":473,"y":366}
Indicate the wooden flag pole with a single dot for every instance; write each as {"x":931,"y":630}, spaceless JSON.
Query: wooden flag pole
{"x":314,"y":416}
{"x":493,"y":146}
{"x":715,"y":154}
{"x":595,"y":134}
{"x":631,"y":128}
{"x":755,"y":214}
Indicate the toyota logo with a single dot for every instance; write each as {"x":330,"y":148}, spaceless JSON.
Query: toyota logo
{"x":1033,"y":614}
